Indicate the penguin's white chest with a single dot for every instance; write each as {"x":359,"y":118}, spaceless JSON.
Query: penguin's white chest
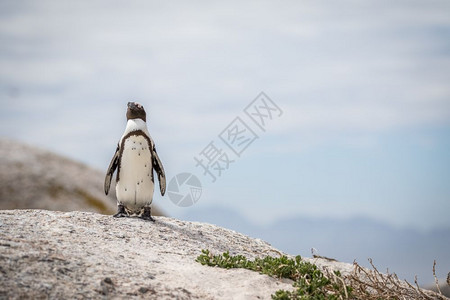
{"x":135,"y":186}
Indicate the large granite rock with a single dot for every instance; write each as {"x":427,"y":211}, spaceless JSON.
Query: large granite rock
{"x":73,"y":255}
{"x":34,"y":178}
{"x":83,"y":255}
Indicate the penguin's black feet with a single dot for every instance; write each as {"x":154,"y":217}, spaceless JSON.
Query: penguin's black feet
{"x":147,"y":214}
{"x":120,"y":212}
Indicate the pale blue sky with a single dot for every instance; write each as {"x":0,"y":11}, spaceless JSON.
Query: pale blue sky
{"x":364,"y":87}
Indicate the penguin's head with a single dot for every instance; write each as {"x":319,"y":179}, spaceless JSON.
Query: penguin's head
{"x":136,"y":111}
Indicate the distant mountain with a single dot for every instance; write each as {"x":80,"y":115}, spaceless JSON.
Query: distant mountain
{"x":404,"y":251}
{"x":35,"y":178}
{"x":224,"y":217}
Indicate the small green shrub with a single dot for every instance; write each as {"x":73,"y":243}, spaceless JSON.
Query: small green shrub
{"x":310,"y":282}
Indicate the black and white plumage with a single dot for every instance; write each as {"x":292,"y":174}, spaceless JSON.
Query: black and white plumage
{"x":135,"y":159}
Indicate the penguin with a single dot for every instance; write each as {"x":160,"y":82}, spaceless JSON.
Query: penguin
{"x":135,"y":159}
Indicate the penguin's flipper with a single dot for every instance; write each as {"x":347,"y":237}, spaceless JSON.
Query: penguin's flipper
{"x":112,"y":167}
{"x":157,"y":165}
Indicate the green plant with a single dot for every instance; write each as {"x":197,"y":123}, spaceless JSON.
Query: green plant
{"x":310,"y":282}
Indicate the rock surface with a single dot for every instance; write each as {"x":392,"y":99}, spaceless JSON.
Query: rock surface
{"x":73,"y":255}
{"x":34,"y":178}
{"x":77,"y":255}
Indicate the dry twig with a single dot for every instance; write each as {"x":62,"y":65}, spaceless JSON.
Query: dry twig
{"x":436,"y":281}
{"x":371,"y":284}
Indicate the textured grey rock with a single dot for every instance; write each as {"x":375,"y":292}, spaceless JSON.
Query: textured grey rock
{"x":78,"y":255}
{"x":46,"y":254}
{"x":34,"y":178}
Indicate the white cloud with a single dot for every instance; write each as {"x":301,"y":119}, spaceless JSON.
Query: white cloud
{"x":330,"y":64}
{"x":347,"y":70}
